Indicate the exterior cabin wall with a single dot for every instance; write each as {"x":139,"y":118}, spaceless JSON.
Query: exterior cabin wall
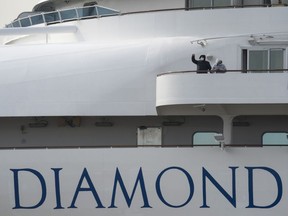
{"x":122,"y":131}
{"x":258,"y":125}
{"x":82,"y":132}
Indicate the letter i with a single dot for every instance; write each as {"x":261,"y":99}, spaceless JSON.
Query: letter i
{"x":57,"y":188}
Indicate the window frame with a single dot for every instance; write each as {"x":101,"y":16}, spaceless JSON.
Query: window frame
{"x":245,"y":55}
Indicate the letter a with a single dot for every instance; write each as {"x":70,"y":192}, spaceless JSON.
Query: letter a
{"x":91,"y":188}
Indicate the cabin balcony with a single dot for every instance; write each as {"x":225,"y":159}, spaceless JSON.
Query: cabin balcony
{"x":230,"y":93}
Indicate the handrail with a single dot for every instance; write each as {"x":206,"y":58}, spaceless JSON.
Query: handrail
{"x":58,"y":17}
{"x":228,"y":71}
{"x":204,"y":8}
{"x":141,"y":146}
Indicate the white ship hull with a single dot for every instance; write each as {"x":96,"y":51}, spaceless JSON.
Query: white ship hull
{"x":124,"y":181}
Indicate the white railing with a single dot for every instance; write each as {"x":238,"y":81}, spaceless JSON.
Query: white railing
{"x":100,"y":11}
{"x":63,"y":16}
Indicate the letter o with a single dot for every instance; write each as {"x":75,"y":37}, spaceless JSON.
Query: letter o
{"x":159,"y":192}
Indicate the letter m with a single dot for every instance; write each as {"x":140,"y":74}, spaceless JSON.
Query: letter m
{"x":140,"y":180}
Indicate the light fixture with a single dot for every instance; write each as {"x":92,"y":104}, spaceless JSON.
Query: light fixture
{"x":220,"y":138}
{"x":202,"y":107}
{"x":69,"y":121}
{"x":104,"y":123}
{"x":241,"y":124}
{"x":38,"y":123}
{"x":202,"y":43}
{"x":174,"y":121}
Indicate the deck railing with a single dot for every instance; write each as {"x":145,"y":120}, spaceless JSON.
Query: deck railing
{"x":63,"y":16}
{"x":96,"y":11}
{"x":228,"y":71}
{"x":141,"y":146}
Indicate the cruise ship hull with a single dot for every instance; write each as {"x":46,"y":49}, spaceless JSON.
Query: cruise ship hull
{"x":121,"y":181}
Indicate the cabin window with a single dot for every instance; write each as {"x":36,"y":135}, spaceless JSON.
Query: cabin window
{"x":210,"y":3}
{"x":205,"y":138}
{"x":253,"y":2}
{"x":221,"y":3}
{"x":275,"y":138}
{"x":201,"y":3}
{"x":276,"y":59}
{"x":258,"y":60}
{"x":265,"y":59}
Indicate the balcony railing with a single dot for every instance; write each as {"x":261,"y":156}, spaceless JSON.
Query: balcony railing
{"x":63,"y":16}
{"x":228,"y":71}
{"x":255,"y":88}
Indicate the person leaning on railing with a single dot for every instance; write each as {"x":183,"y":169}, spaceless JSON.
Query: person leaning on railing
{"x":219,"y":67}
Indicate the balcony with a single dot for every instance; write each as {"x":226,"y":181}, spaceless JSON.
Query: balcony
{"x":233,"y":92}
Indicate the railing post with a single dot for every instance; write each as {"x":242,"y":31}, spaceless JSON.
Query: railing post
{"x":59,"y":14}
{"x":43,"y":16}
{"x":77,"y":14}
{"x":97,"y":12}
{"x":30,"y":20}
{"x":187,"y":4}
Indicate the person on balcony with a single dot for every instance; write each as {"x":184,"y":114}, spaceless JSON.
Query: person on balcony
{"x":203,"y":66}
{"x":219,"y":67}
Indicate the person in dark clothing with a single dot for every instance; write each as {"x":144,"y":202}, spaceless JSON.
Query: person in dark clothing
{"x":203,"y":66}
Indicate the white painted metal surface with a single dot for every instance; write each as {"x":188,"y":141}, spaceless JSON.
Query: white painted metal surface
{"x":227,"y":88}
{"x":112,"y":68}
{"x":204,"y":181}
{"x":39,"y":30}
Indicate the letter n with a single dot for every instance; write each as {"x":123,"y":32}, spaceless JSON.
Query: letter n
{"x":231,"y":199}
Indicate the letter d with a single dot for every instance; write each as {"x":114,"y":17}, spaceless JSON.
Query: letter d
{"x":251,"y":183}
{"x":16,"y":188}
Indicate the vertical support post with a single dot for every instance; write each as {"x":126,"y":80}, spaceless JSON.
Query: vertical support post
{"x":187,"y":4}
{"x":227,"y":129}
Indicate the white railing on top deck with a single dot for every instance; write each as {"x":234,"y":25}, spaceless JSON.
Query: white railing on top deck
{"x":64,"y":16}
{"x":99,"y":11}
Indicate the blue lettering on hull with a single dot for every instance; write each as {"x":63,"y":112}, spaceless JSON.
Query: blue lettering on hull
{"x":140,"y":187}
